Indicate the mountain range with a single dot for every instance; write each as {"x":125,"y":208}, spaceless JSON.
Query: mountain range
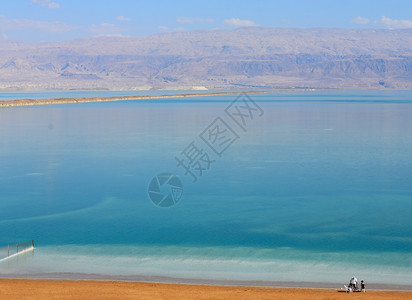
{"x":251,"y":57}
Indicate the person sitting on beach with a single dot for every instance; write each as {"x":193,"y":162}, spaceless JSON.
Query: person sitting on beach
{"x":363,"y":288}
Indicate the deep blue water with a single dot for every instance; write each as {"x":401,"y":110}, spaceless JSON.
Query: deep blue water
{"x":322,"y":179}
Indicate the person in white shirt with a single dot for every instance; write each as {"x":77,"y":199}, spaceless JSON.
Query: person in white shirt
{"x":353,"y":283}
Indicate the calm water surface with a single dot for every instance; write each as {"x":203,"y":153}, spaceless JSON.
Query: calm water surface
{"x":318,"y":188}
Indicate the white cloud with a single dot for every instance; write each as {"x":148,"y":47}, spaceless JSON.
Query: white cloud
{"x":163,"y":28}
{"x":106,"y":29}
{"x":236,"y":22}
{"x":394,"y":24}
{"x":194,"y":20}
{"x":122,"y":18}
{"x":46,"y":3}
{"x":27,"y":24}
{"x":360,"y":20}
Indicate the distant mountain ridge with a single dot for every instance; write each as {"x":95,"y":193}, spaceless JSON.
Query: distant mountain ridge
{"x":252,"y":57}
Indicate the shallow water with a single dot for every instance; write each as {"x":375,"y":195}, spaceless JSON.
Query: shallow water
{"x":316,"y":187}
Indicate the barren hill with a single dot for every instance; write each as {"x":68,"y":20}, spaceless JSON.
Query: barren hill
{"x":244,"y":57}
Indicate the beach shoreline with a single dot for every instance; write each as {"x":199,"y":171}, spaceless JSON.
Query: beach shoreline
{"x":197,"y":281}
{"x":50,"y":101}
{"x":93,"y":289}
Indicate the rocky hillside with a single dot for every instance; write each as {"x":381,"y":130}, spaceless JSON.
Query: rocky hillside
{"x":246,"y":57}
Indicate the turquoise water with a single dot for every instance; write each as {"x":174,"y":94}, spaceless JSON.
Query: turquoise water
{"x":319,"y":187}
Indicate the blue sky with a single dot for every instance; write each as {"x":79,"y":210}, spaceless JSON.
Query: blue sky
{"x":56,"y":20}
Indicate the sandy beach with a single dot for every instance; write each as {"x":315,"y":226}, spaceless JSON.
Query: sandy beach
{"x":32,"y":102}
{"x":83,"y":289}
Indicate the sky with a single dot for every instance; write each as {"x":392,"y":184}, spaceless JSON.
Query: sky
{"x":59,"y":20}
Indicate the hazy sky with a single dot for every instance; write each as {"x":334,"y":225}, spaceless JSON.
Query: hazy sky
{"x":56,"y":20}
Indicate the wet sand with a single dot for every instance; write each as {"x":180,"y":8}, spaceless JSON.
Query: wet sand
{"x":31,"y":102}
{"x":86,"y":289}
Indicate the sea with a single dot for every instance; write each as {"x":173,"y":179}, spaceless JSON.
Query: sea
{"x":293,"y":186}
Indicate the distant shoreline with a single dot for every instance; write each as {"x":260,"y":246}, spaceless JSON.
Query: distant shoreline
{"x":204,"y":282}
{"x":34,"y":102}
{"x":66,"y":100}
